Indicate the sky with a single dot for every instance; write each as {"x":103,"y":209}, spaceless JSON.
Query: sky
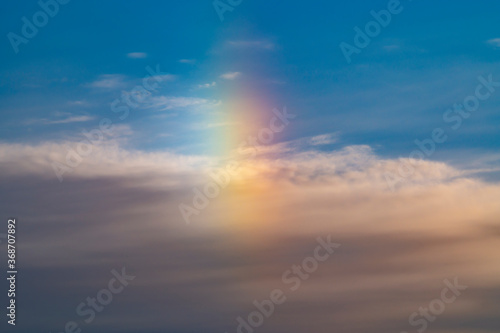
{"x":206,"y":147}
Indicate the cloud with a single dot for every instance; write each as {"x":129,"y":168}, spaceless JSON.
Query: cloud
{"x":251,"y":44}
{"x":74,"y":119}
{"x":137,"y":55}
{"x":118,"y":81}
{"x":207,"y":85}
{"x":230,"y":75}
{"x":353,"y":165}
{"x":494,"y":42}
{"x":67,"y":120}
{"x":162,"y":103}
{"x":324,"y":139}
{"x":297,"y":145}
{"x":165,"y":77}
{"x":109,"y":81}
{"x":187,"y":61}
{"x":396,"y":248}
{"x":79,"y":103}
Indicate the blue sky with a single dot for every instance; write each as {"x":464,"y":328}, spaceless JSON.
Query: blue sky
{"x":418,"y":66}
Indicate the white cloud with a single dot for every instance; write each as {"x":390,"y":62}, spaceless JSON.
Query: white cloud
{"x":137,"y":55}
{"x":79,"y":103}
{"x":187,"y":61}
{"x":494,"y":42}
{"x":109,"y":81}
{"x":207,"y":85}
{"x":254,"y":44}
{"x":324,"y":139}
{"x":162,"y":103}
{"x":230,"y":75}
{"x":118,"y":81}
{"x":121,"y":131}
{"x":351,"y":169}
{"x":67,"y":120}
{"x":299,"y":144}
{"x":344,"y":189}
{"x":164,"y":77}
{"x":75,"y":119}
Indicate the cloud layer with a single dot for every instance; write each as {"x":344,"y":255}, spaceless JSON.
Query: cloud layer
{"x":120,"y":208}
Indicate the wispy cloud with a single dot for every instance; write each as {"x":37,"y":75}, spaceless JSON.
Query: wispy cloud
{"x":230,"y":75}
{"x":324,"y":139}
{"x":303,"y":144}
{"x":109,"y":81}
{"x":207,"y":85}
{"x":494,"y":42}
{"x":165,"y":77}
{"x":162,"y":103}
{"x":78,"y":103}
{"x":137,"y":55}
{"x":252,"y":44}
{"x":187,"y":61}
{"x":119,"y":81}
{"x":67,"y":120}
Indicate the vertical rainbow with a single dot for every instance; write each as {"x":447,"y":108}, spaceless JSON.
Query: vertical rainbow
{"x":245,"y":111}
